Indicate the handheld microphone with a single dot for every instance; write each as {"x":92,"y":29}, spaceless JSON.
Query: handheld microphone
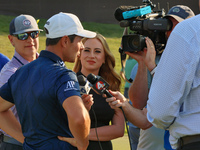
{"x":99,"y":85}
{"x":84,"y":85}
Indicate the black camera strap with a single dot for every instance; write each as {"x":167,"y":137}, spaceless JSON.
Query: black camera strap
{"x":123,"y":58}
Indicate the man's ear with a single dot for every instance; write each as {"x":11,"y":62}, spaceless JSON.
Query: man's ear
{"x":65,"y":41}
{"x":10,"y":37}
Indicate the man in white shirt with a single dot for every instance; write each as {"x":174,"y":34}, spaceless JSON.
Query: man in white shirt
{"x":174,"y":98}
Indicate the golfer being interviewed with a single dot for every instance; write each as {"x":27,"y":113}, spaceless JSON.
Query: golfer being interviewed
{"x":46,"y":93}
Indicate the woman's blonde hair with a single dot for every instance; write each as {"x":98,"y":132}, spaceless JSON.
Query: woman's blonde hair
{"x":107,"y":69}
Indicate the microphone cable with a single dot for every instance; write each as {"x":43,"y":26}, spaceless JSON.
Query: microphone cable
{"x":95,"y":118}
{"x":127,"y":129}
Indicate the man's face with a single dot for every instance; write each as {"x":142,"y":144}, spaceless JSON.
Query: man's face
{"x":73,"y":49}
{"x":26,"y":48}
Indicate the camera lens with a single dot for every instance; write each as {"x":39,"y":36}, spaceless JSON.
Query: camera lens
{"x":134,"y":43}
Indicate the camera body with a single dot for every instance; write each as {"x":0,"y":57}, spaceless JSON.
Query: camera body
{"x":143,"y":23}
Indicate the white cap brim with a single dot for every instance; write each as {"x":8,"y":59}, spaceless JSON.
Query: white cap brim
{"x":86,"y":33}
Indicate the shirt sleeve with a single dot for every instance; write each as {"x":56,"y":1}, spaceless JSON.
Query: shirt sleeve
{"x":172,"y":81}
{"x":68,"y":86}
{"x":5,"y":92}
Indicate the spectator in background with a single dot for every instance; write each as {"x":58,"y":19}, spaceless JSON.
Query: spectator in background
{"x":97,"y":58}
{"x":3,"y":60}
{"x":134,"y":132}
{"x":130,"y":63}
{"x":24,"y":38}
{"x":46,"y":93}
{"x":127,"y":65}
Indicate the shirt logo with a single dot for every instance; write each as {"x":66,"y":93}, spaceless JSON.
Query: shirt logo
{"x":61,"y":63}
{"x":26,"y":23}
{"x":70,"y":86}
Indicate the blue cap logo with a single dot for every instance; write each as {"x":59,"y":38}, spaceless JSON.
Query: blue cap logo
{"x":176,"y":10}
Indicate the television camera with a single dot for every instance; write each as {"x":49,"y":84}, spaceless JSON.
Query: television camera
{"x":144,"y":22}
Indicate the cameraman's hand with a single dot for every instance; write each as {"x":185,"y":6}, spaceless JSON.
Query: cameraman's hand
{"x":147,"y":55}
{"x":138,"y":56}
{"x":150,"y":55}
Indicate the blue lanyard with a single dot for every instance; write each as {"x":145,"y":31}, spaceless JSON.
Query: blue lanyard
{"x":18,"y":60}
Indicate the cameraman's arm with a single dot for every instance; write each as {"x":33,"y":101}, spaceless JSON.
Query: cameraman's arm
{"x":135,"y":116}
{"x":138,"y":90}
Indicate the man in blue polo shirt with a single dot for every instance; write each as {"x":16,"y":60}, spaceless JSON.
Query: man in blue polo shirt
{"x":46,"y":93}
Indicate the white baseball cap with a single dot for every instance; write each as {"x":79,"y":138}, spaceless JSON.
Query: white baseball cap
{"x":62,"y":24}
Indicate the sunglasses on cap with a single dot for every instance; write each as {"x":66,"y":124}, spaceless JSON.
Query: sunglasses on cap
{"x":24,"y":36}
